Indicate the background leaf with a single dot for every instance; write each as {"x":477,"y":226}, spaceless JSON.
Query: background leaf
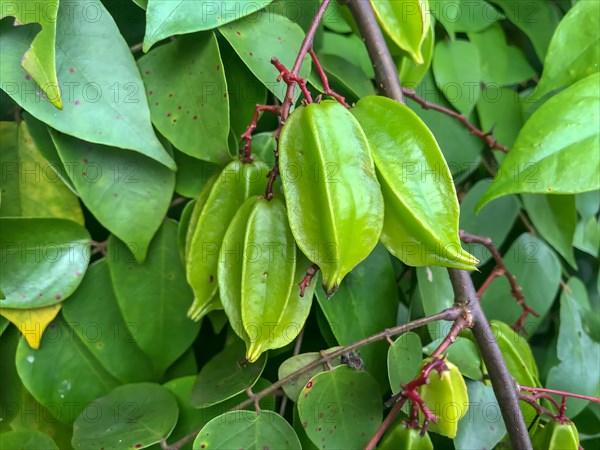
{"x":403,"y":360}
{"x":464,"y":16}
{"x":43,"y":260}
{"x":154,"y":296}
{"x":104,"y":101}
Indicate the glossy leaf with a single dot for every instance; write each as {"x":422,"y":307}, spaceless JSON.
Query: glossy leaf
{"x":130,"y":417}
{"x":461,"y":150}
{"x":403,"y":360}
{"x":247,"y":429}
{"x":447,"y":394}
{"x":345,"y":74}
{"x":500,"y":110}
{"x":210,"y":218}
{"x":579,"y":29}
{"x":494,"y":220}
{"x":555,"y":217}
{"x":104,"y":101}
{"x":587,"y":236}
{"x":457,"y":70}
{"x":411,"y":73}
{"x":32,"y":322}
{"x":579,"y":355}
{"x":258,"y":38}
{"x":39,"y":60}
{"x":187,"y":93}
{"x":293,"y":388}
{"x":27,"y":439}
{"x":334,"y":202}
{"x":165,"y":18}
{"x":517,"y":354}
{"x":77,"y":377}
{"x":500,"y":63}
{"x":192,"y":174}
{"x":537,"y":270}
{"x":464,"y":16}
{"x":107,"y":176}
{"x":421,"y":211}
{"x":158,"y":286}
{"x":94,"y":315}
{"x":436,"y":293}
{"x":333,"y":407}
{"x":43,"y":260}
{"x":351,"y":314}
{"x":483,"y":426}
{"x":560,"y":138}
{"x":225,"y":375}
{"x":30,"y":188}
{"x":537,"y":19}
{"x":344,"y":45}
{"x":406,"y":22}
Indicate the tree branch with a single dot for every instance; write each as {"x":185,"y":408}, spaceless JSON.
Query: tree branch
{"x":504,"y":385}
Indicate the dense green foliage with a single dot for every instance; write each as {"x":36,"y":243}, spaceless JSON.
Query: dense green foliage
{"x":159,"y":267}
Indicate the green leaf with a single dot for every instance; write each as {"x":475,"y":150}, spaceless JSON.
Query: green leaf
{"x":226,"y":375}
{"x":536,"y":18}
{"x":483,"y":427}
{"x":555,"y":218}
{"x":154,"y":296}
{"x":463,"y":354}
{"x":555,"y":147}
{"x":165,"y":18}
{"x":247,"y":429}
{"x":500,"y":111}
{"x":130,"y":417}
{"x":106,"y":177}
{"x":461,"y":149}
{"x":403,"y":360}
{"x":328,"y":174}
{"x":260,"y":37}
{"x":457,"y":70}
{"x":293,"y":388}
{"x":579,"y":355}
{"x":30,"y":188}
{"x":77,"y":377}
{"x":9,"y":376}
{"x":587,"y":236}
{"x":244,"y":90}
{"x":345,"y":45}
{"x":352,"y":314}
{"x":494,"y":221}
{"x":579,"y":30}
{"x":39,"y":59}
{"x":436,"y":295}
{"x":340,"y":408}
{"x":343,"y":76}
{"x":411,"y":73}
{"x":192,"y":174}
{"x":187,"y":92}
{"x":406,"y":22}
{"x":27,"y":439}
{"x":421,"y":211}
{"x":537,"y":270}
{"x":103,"y":97}
{"x":464,"y":16}
{"x":500,"y":63}
{"x":93,"y":313}
{"x":43,"y":260}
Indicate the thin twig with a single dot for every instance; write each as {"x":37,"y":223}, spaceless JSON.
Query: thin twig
{"x":487,"y":137}
{"x":305,"y":282}
{"x":326,"y":88}
{"x":246,"y":156}
{"x":501,"y":269}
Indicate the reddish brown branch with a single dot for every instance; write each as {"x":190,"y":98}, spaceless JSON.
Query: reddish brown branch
{"x":464,"y":321}
{"x":485,"y":136}
{"x":515,"y":289}
{"x":536,"y":394}
{"x":326,"y":88}
{"x":310,"y":273}
{"x":247,"y":136}
{"x":291,"y":78}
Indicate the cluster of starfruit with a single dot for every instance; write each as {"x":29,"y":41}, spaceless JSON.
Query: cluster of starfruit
{"x":350,"y":178}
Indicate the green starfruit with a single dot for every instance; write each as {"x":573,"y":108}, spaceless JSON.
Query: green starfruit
{"x":557,"y":435}
{"x":402,"y":437}
{"x":421,"y":209}
{"x":335,"y":207}
{"x":234,"y":185}
{"x":256,"y":272}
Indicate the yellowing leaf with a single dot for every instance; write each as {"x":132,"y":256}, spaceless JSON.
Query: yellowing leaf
{"x":32,"y":322}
